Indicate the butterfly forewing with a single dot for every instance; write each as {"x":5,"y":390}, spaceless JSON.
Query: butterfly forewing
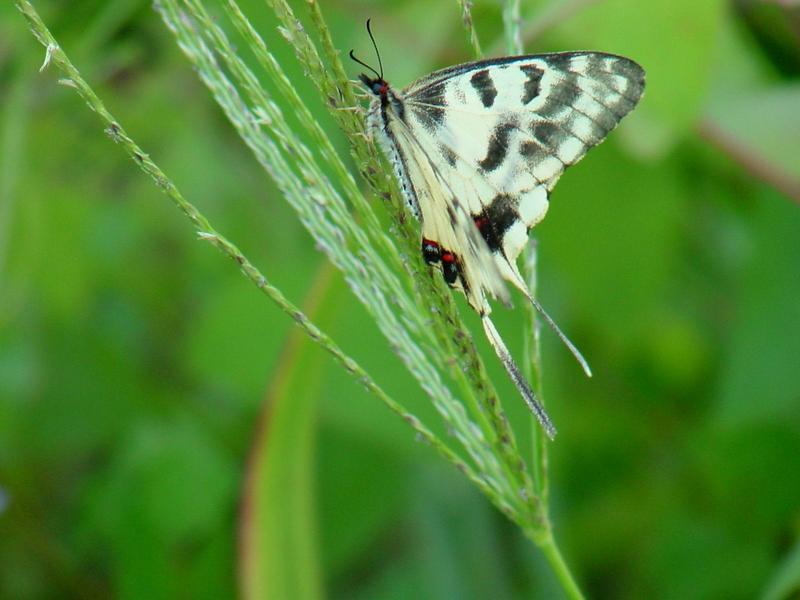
{"x":500,"y":132}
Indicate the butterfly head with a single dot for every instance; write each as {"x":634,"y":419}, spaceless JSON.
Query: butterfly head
{"x":376,"y":85}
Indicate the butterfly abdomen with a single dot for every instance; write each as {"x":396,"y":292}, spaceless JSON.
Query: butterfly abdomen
{"x":378,"y":122}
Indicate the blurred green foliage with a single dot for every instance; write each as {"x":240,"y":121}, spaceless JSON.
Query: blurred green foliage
{"x":134,"y":362}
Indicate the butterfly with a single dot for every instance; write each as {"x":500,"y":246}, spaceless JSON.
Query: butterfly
{"x":477,"y":149}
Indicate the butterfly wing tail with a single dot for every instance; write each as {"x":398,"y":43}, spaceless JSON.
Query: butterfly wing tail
{"x":516,"y":376}
{"x":564,"y":339}
{"x":519,"y":283}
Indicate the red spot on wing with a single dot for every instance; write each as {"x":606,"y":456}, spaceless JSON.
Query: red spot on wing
{"x":481,"y":222}
{"x":430,"y":251}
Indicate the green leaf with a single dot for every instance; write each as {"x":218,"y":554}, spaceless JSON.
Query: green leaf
{"x":785,"y":583}
{"x":759,"y":379}
{"x":167,"y":492}
{"x":279,"y":557}
{"x":690,"y":557}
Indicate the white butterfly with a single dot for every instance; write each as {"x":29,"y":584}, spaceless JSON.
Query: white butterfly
{"x":478,"y":147}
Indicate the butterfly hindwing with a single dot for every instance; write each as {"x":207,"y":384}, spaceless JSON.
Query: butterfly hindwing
{"x":445,"y":214}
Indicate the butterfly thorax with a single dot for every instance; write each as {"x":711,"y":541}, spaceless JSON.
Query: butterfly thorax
{"x":386,"y":98}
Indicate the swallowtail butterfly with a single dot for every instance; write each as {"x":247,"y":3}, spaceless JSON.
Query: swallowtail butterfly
{"x":477,"y":149}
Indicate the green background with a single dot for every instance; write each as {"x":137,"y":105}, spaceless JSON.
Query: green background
{"x":153,"y":405}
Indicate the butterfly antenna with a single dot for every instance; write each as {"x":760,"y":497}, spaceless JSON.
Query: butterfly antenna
{"x":516,"y":376}
{"x":375,"y":45}
{"x":378,"y":54}
{"x":363,"y":64}
{"x":564,"y":339}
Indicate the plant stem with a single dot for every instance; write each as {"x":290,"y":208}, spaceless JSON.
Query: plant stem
{"x":512,"y":24}
{"x":552,"y":553}
{"x":542,"y":537}
{"x":469,"y":25}
{"x":533,"y":369}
